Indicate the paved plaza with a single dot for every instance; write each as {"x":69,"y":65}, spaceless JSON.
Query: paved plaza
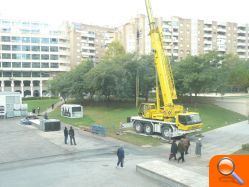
{"x":30,"y":157}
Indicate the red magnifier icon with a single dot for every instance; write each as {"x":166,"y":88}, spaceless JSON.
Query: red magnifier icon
{"x":226,"y":167}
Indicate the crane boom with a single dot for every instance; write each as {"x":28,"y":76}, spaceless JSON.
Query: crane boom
{"x":161,"y":61}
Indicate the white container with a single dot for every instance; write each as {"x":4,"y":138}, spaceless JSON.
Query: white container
{"x":72,"y":111}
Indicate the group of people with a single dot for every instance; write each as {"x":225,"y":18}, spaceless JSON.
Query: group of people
{"x":183,"y":147}
{"x":69,"y":132}
{"x":34,"y":110}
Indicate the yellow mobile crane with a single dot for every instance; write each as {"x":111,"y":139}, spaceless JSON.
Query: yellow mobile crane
{"x":170,"y":120}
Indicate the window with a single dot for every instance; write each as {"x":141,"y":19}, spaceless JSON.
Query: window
{"x":35,"y":74}
{"x":76,"y":109}
{"x":26,"y":64}
{"x":45,"y":74}
{"x":26,"y":39}
{"x":16,"y":39}
{"x":63,"y":41}
{"x":26,"y":74}
{"x":6,"y":30}
{"x":45,"y":57}
{"x":35,"y":48}
{"x":6,"y":47}
{"x":6,"y":64}
{"x":17,"y":74}
{"x":35,"y":40}
{"x":53,"y":40}
{"x":45,"y":48}
{"x":54,"y":57}
{"x":63,"y":56}
{"x":7,"y":74}
{"x":25,"y":48}
{"x":16,"y":64}
{"x":63,"y":49}
{"x":16,"y":56}
{"x":6,"y":56}
{"x":36,"y":65}
{"x":16,"y":48}
{"x":54,"y":65}
{"x":44,"y":65}
{"x":35,"y":57}
{"x":5,"y":38}
{"x":53,"y":49}
{"x":26,"y":56}
{"x":45,"y":40}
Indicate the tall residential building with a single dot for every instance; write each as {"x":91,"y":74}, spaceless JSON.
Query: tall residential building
{"x":182,"y":37}
{"x":134,"y":35}
{"x":222,"y":37}
{"x":30,"y":54}
{"x":89,"y":42}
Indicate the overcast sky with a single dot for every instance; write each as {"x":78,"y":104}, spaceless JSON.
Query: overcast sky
{"x":117,"y":12}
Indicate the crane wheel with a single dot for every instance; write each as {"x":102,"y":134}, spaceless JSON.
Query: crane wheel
{"x":138,"y":126}
{"x":148,"y":129}
{"x":167,"y":132}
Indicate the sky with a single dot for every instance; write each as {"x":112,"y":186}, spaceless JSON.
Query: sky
{"x":118,"y":12}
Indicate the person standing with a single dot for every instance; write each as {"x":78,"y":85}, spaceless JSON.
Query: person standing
{"x":65,"y":134}
{"x":46,"y":115}
{"x":198,"y":147}
{"x":38,"y":110}
{"x":71,"y":134}
{"x":181,"y":149}
{"x":121,"y":155}
{"x":173,"y":150}
{"x":52,"y":106}
{"x":186,"y":143}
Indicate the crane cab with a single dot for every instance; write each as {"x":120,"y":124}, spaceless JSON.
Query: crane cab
{"x":150,"y":111}
{"x":189,"y":121}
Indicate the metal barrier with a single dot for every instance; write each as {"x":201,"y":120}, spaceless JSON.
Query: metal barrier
{"x":98,"y":129}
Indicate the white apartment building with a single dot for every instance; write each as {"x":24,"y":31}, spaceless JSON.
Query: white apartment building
{"x":30,"y":54}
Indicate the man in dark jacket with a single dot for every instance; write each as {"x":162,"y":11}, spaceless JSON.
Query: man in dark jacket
{"x":71,"y":134}
{"x":120,"y":154}
{"x":65,"y":134}
{"x":181,"y":149}
{"x":186,"y":142}
{"x":173,"y":150}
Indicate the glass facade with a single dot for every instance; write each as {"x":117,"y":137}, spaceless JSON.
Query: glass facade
{"x":31,"y":51}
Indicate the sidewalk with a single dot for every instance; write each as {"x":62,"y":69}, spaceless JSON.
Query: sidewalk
{"x":55,"y":106}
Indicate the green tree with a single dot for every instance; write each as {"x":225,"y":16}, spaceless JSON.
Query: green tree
{"x":114,"y":49}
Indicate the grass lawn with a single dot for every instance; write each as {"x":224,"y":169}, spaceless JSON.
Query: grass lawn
{"x":111,"y":116}
{"x":214,"y":117}
{"x":42,"y":103}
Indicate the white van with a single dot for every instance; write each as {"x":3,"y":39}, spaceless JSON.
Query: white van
{"x":72,"y":111}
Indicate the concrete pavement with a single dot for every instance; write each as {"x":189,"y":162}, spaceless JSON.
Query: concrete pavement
{"x":35,"y":158}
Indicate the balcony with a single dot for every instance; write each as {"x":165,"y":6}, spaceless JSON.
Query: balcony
{"x":208,"y":29}
{"x":207,"y":35}
{"x":208,"y":48}
{"x":240,"y":50}
{"x":241,"y":37}
{"x":221,"y":30}
{"x":223,"y":49}
{"x":208,"y":42}
{"x":243,"y":44}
